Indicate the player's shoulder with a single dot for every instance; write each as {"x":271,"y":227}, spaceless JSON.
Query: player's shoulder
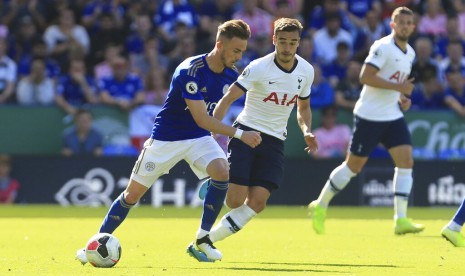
{"x":191,"y":66}
{"x":262,"y":61}
{"x":304,"y":64}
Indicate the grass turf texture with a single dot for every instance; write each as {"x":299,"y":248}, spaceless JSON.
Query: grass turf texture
{"x":42,"y":240}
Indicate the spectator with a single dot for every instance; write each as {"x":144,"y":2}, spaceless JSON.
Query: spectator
{"x":103,"y":69}
{"x":155,"y":87}
{"x":170,"y":12}
{"x":434,"y":21}
{"x":322,"y":94}
{"x":22,"y":40}
{"x":373,"y":30}
{"x":428,"y":93}
{"x":8,"y":186}
{"x":307,"y":49}
{"x":7,"y":74}
{"x":455,"y":59}
{"x":424,"y":63}
{"x":260,"y":22}
{"x":453,"y":34}
{"x":348,"y":89}
{"x":327,"y":38}
{"x":336,"y":70}
{"x":37,"y":88}
{"x":211,"y":9}
{"x":206,"y":35}
{"x":93,"y":11}
{"x":76,"y":88}
{"x":39,"y":50}
{"x":357,"y":10}
{"x":318,"y":17}
{"x":15,"y":10}
{"x":141,"y":63}
{"x":123,"y":89}
{"x":61,"y":39}
{"x":455,"y":93}
{"x":107,"y":33}
{"x":82,"y":139}
{"x":284,"y":8}
{"x":333,"y":138}
{"x":184,"y":49}
{"x":142,"y":30}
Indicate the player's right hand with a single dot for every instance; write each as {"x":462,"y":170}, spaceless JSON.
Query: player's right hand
{"x":251,"y":138}
{"x":406,"y":87}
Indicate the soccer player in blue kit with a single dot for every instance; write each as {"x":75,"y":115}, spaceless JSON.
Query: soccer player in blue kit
{"x":182,"y":130}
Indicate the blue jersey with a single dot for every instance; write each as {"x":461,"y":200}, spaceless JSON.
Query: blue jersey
{"x":191,"y":80}
{"x":72,"y":91}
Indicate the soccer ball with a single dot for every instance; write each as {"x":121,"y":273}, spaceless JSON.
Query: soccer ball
{"x":103,"y":250}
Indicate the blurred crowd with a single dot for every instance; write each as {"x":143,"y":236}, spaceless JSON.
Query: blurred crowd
{"x":75,"y":53}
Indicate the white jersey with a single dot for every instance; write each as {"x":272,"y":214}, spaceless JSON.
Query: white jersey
{"x":377,"y":104}
{"x":272,"y":93}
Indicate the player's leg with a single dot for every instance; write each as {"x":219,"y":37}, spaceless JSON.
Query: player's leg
{"x":397,"y":140}
{"x":254,"y":187}
{"x":234,"y":220}
{"x":155,"y":159}
{"x":212,"y":162}
{"x":452,"y":230}
{"x":365,"y":138}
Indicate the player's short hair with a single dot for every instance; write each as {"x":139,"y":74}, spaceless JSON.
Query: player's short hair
{"x":287,"y":25}
{"x":401,"y":10}
{"x":234,"y":28}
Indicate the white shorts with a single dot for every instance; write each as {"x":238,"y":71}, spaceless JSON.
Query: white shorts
{"x":158,"y":157}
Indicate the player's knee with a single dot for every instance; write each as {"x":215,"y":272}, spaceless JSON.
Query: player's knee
{"x":233,"y":202}
{"x":221,"y":173}
{"x":257,"y":205}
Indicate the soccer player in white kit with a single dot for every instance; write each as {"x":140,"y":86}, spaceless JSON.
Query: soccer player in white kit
{"x":378,"y":118}
{"x":273,"y":84}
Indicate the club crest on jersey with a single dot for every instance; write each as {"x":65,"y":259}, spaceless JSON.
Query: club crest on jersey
{"x":191,"y":87}
{"x":225,"y":88}
{"x":149,"y":166}
{"x":246,"y":72}
{"x":299,"y":80}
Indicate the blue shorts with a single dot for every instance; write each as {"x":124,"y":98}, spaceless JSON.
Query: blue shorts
{"x":261,"y":166}
{"x":368,"y":134}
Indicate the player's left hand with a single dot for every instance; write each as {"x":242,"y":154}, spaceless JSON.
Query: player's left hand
{"x":312,"y":144}
{"x":404,"y":103}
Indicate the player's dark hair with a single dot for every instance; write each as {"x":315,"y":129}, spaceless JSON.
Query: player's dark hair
{"x":287,"y":25}
{"x":234,"y":28}
{"x":401,"y":10}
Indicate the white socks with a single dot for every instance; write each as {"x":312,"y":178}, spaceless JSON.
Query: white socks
{"x":403,"y":181}
{"x":338,"y":180}
{"x":232,"y":222}
{"x":452,"y":225}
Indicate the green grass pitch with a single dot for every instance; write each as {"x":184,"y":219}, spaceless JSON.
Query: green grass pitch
{"x":42,"y":240}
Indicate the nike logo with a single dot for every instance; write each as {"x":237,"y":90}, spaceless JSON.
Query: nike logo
{"x":271,"y":82}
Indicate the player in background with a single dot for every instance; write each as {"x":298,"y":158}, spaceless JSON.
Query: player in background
{"x":273,"y":84}
{"x":452,"y":230}
{"x":182,"y":130}
{"x":378,"y":117}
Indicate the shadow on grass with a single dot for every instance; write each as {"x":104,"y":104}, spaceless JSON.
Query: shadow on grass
{"x":316,"y":264}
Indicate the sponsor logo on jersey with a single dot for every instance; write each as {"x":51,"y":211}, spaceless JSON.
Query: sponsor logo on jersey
{"x":274,"y":98}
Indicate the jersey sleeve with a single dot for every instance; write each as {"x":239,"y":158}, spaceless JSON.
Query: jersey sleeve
{"x":189,"y":86}
{"x":305,"y":94}
{"x":377,"y":55}
{"x":248,"y":77}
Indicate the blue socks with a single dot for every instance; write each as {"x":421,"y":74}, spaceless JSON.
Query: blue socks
{"x":115,"y":216}
{"x":213,"y":203}
{"x":459,"y":217}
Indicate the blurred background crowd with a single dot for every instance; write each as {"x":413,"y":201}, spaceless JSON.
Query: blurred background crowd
{"x":79,"y":53}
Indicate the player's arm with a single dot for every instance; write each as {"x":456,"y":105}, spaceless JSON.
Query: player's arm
{"x":234,"y":93}
{"x":199,"y":112}
{"x":368,"y":76}
{"x":455,"y":105}
{"x":304,"y":119}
